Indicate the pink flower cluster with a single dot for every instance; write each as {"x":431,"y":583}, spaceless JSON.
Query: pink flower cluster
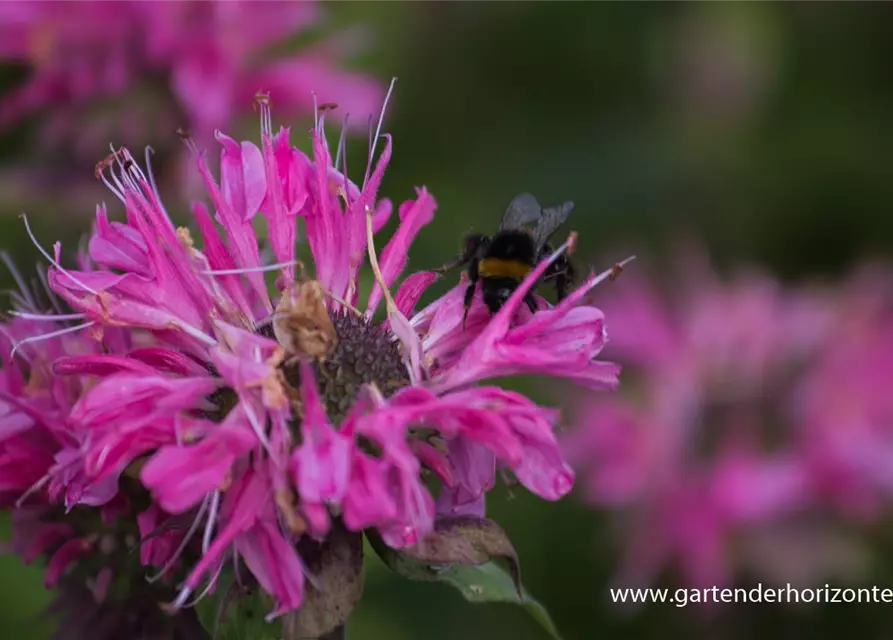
{"x":133,"y":72}
{"x":756,"y":425}
{"x":176,"y":381}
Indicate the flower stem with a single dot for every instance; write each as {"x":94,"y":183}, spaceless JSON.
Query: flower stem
{"x":338,"y":634}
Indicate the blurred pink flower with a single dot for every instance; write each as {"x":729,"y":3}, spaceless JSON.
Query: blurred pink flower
{"x":263,"y":419}
{"x":749,"y":405}
{"x":131,"y":72}
{"x":842,"y":405}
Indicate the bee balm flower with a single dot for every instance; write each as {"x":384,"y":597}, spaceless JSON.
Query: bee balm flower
{"x":276,"y":423}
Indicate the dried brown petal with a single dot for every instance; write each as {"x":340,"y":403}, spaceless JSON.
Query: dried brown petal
{"x":302,"y":325}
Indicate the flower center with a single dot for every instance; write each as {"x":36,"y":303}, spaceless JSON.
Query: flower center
{"x":365,"y":353}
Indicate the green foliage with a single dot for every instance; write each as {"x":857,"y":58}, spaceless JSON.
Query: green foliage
{"x":461,"y":553}
{"x":237,"y":613}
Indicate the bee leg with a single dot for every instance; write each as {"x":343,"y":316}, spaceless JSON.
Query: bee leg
{"x":561,"y":286}
{"x":469,"y":296}
{"x":564,"y":278}
{"x":452,"y":264}
{"x":531,"y":302}
{"x":472,"y":245}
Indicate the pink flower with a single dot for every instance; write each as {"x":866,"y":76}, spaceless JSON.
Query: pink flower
{"x":754,"y":408}
{"x":842,"y":405}
{"x":125,"y":71}
{"x":270,"y":420}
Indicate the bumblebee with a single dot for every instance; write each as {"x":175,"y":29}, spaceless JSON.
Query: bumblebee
{"x":501,"y":262}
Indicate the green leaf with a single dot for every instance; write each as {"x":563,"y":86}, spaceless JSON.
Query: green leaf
{"x":490,"y":583}
{"x":460,"y":552}
{"x":233,"y":612}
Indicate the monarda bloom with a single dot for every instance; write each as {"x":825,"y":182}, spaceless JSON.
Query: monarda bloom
{"x":751,"y":437}
{"x":244,"y":441}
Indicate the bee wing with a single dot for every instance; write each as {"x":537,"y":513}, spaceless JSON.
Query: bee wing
{"x":523,"y":210}
{"x":549,"y":221}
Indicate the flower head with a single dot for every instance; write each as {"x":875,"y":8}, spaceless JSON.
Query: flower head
{"x":267,"y":419}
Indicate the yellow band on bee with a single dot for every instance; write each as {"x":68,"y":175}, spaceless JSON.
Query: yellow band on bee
{"x":498,"y":268}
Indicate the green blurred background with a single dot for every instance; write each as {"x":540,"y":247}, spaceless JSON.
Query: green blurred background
{"x":763,"y":129}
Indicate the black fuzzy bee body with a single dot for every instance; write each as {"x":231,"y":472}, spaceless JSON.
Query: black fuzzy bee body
{"x":501,"y":262}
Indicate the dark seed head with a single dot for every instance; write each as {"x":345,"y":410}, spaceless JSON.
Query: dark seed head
{"x":365,"y":353}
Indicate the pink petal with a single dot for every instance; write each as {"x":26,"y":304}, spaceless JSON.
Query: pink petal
{"x":412,"y":289}
{"x":414,"y":215}
{"x":321,"y":465}
{"x":273,"y":561}
{"x":180,"y":477}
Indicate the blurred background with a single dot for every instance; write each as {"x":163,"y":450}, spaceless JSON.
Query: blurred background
{"x":760,"y":130}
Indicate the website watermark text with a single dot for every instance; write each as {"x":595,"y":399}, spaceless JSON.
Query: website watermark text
{"x":789,"y":594}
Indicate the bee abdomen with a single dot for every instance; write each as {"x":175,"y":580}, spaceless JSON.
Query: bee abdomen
{"x":499,"y":268}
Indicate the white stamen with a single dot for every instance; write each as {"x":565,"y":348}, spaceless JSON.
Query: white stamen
{"x":206,"y":590}
{"x":384,"y":108}
{"x":149,"y":153}
{"x":373,"y":262}
{"x":265,"y":322}
{"x":212,"y":520}
{"x":40,"y":317}
{"x":266,"y":117}
{"x":369,"y":140}
{"x":189,"y":143}
{"x":197,"y":334}
{"x":51,"y":259}
{"x":261,"y":269}
{"x":377,"y":395}
{"x":176,"y":555}
{"x":47,"y":336}
{"x":571,"y":241}
{"x":309,"y":576}
{"x":51,"y":296}
{"x":119,"y":189}
{"x":342,"y":147}
{"x":4,"y":257}
{"x":17,"y":299}
{"x":258,"y":430}
{"x":103,"y":454}
{"x":185,"y":592}
{"x":116,"y":189}
{"x":37,"y":486}
{"x":342,"y":302}
{"x":613,"y":272}
{"x":236,"y":573}
{"x":84,"y":241}
{"x":126,"y":166}
{"x":4,"y":331}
